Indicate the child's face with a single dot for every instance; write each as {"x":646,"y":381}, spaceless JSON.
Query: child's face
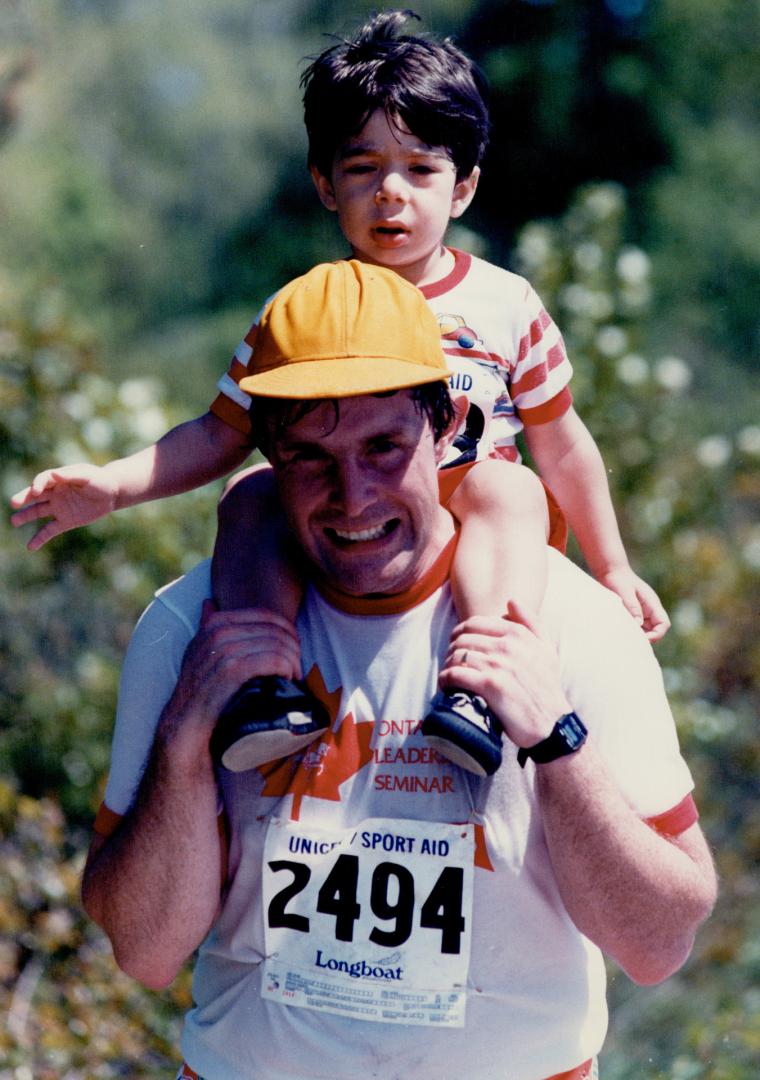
{"x":394,"y":196}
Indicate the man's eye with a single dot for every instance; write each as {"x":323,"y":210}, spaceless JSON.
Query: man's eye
{"x":384,"y":446}
{"x":304,"y":454}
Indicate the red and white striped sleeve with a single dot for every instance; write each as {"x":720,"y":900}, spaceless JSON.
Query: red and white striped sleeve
{"x":232,"y":404}
{"x":539,"y":381}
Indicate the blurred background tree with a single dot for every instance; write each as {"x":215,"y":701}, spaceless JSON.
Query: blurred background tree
{"x":153,"y":192}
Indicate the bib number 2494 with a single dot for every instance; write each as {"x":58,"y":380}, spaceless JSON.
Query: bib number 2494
{"x":391,"y":900}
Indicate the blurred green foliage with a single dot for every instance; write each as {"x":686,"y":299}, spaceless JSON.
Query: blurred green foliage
{"x":152,"y":193}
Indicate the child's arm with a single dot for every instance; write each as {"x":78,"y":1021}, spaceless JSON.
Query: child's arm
{"x":501,"y":554}
{"x":187,"y":457}
{"x":254,"y":564}
{"x":569,"y":461}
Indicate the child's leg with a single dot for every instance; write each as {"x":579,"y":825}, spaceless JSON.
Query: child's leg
{"x":269,"y":717}
{"x":253,"y":565}
{"x":501,"y":556}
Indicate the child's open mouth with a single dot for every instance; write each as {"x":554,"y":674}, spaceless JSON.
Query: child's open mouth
{"x":390,"y":235}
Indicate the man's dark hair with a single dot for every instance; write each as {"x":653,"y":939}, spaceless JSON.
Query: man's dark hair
{"x":429,"y":84}
{"x":272,"y":416}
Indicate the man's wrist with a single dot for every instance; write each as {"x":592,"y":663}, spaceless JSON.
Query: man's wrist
{"x":566,"y":737}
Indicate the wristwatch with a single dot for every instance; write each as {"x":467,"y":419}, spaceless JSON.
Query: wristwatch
{"x":568,"y":735}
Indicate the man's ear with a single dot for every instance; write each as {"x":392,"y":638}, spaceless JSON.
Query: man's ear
{"x":324,"y":188}
{"x":461,"y":406}
{"x":464,"y":193}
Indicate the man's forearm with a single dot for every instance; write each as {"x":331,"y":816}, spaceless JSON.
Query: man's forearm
{"x":637,"y":895}
{"x":154,"y":885}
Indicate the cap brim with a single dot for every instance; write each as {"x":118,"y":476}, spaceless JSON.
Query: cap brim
{"x":340,"y":377}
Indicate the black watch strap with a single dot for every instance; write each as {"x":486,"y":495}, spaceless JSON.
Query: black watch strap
{"x":568,"y":735}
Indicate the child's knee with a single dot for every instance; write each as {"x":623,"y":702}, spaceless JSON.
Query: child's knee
{"x":251,"y":492}
{"x":493,"y":484}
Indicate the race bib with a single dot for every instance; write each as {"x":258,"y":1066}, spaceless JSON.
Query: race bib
{"x":372,"y":922}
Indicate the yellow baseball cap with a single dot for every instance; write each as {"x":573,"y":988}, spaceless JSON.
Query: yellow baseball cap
{"x":345,"y":328}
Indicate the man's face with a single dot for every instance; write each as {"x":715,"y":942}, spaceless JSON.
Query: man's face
{"x":361,"y":496}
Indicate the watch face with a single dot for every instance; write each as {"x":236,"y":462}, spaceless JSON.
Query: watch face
{"x":568,"y":735}
{"x":573,"y":731}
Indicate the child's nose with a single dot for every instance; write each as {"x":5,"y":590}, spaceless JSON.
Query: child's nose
{"x":392,"y":188}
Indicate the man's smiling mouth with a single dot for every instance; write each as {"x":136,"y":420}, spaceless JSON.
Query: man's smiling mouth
{"x":356,"y":536}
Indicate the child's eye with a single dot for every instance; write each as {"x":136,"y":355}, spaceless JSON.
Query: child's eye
{"x":358,"y":169}
{"x":423,"y":170}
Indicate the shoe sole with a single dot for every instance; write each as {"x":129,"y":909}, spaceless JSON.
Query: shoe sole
{"x":463,"y":743}
{"x":446,"y":748}
{"x":260,"y":747}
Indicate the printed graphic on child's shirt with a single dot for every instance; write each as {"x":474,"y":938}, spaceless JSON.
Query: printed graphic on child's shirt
{"x":478,"y":376}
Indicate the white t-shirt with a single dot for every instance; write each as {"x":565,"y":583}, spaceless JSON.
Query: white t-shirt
{"x":368,"y":877}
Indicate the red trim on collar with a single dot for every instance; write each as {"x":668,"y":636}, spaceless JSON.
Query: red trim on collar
{"x":396,"y":603}
{"x":462,"y":263}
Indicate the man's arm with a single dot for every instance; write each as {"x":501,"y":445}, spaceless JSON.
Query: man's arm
{"x":636,"y":894}
{"x":154,"y":884}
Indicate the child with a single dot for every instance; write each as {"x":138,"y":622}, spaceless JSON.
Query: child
{"x":397,"y":126}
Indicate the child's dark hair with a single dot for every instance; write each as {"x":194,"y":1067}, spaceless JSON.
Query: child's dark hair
{"x":430,"y":84}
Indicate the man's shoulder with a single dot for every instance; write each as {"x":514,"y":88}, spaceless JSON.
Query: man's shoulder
{"x":182,"y":599}
{"x":574,"y":598}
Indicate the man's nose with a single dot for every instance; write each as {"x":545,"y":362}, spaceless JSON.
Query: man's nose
{"x":392,"y":188}
{"x":354,"y":488}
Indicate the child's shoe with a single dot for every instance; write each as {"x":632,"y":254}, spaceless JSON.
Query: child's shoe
{"x":268,"y":718}
{"x":463,"y":729}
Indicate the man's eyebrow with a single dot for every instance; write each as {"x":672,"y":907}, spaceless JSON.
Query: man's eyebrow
{"x":291,"y":446}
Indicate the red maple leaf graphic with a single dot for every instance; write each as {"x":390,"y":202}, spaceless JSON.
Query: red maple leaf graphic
{"x":326,"y":764}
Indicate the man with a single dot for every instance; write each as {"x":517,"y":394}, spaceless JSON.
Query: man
{"x":366,"y":907}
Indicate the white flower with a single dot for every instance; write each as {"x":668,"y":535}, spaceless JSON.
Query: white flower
{"x":77,"y":406}
{"x":588,"y":256}
{"x":149,"y":424}
{"x":124,"y":578}
{"x":632,"y":369}
{"x":687,"y":617}
{"x":604,"y":201}
{"x":98,"y":433}
{"x":714,"y":451}
{"x":673,"y":373}
{"x":582,"y":301}
{"x":611,"y":340}
{"x":751,"y":550}
{"x":633,"y":266}
{"x":534,"y":246}
{"x":139,"y":393}
{"x":69,"y":452}
{"x":748,"y":440}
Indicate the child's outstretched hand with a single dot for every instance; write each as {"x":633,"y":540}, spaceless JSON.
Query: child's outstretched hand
{"x":640,"y":600}
{"x":69,"y":496}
